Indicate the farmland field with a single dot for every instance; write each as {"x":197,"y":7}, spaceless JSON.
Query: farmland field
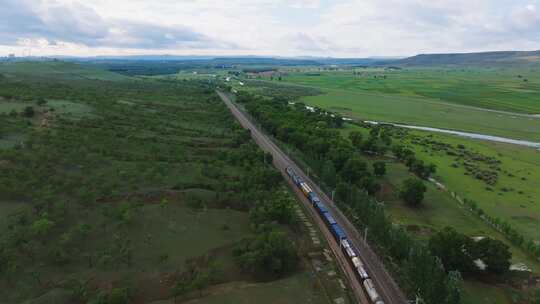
{"x":484,"y":103}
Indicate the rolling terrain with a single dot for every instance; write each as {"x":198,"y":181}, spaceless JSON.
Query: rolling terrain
{"x":122,"y":190}
{"x":489,"y":59}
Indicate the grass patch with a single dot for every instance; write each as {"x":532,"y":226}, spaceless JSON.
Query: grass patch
{"x":299,"y":288}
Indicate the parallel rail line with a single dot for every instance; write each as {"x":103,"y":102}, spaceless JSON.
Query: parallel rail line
{"x":384,"y":282}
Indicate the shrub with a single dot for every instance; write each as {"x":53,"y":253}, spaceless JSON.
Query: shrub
{"x":412,"y":191}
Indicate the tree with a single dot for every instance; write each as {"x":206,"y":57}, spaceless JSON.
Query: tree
{"x":537,"y":297}
{"x":268,"y":253}
{"x":379,"y":168}
{"x":41,"y":101}
{"x":495,"y":254}
{"x":454,"y":249}
{"x":412,"y":191}
{"x":119,"y":296}
{"x":454,"y":283}
{"x":28,"y":112}
{"x":342,"y":192}
{"x":356,"y":138}
{"x":368,"y":183}
{"x":329,"y":173}
{"x":278,"y":208}
{"x":42,"y":226}
{"x":354,"y":169}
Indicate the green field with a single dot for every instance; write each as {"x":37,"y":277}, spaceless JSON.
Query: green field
{"x":297,"y":289}
{"x":125,"y":185}
{"x":515,"y":196}
{"x":440,"y":98}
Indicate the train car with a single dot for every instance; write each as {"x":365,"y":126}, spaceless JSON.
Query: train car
{"x":328,"y":218}
{"x":297,"y":180}
{"x":312,"y":196}
{"x":360,"y":269}
{"x":339,"y":235}
{"x":372,"y":292}
{"x":338,"y":232}
{"x":345,"y":244}
{"x":289,"y":171}
{"x":306,"y":189}
{"x":349,"y":251}
{"x":320,"y":207}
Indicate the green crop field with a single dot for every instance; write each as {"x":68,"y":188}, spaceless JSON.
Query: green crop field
{"x":468,"y":100}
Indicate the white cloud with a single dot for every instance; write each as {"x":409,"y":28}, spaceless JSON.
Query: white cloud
{"x":269,"y":27}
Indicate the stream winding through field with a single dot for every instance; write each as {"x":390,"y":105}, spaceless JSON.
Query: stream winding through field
{"x":525,"y":143}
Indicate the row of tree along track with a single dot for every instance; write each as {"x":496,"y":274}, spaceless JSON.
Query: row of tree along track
{"x":384,"y":282}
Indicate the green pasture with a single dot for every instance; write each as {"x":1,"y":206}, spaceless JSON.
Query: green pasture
{"x":514,"y":198}
{"x":343,"y":94}
{"x":71,"y":108}
{"x":8,"y":106}
{"x":439,"y":210}
{"x":522,"y":210}
{"x":514,"y":90}
{"x":475,"y":292}
{"x":300,"y":288}
{"x":178,"y":232}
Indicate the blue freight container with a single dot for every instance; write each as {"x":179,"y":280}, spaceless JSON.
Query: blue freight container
{"x":321,"y":208}
{"x":312,"y":196}
{"x":329,"y":218}
{"x":338,"y":233}
{"x":316,"y":200}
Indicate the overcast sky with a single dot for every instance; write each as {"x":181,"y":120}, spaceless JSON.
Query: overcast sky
{"x":340,"y":28}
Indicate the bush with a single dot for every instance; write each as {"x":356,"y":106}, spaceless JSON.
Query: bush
{"x":412,"y":191}
{"x":495,"y":254}
{"x":379,"y":168}
{"x":28,"y":112}
{"x":269,"y":253}
{"x":41,"y":101}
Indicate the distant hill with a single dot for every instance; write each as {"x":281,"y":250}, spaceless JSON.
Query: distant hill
{"x":511,"y":58}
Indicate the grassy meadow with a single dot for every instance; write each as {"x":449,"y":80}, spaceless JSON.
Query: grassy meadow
{"x":496,"y":102}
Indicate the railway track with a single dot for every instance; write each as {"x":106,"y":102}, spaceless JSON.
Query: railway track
{"x":384,"y":282}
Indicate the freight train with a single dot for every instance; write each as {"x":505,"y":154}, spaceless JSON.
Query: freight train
{"x":341,"y":237}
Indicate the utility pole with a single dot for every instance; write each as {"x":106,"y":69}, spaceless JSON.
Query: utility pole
{"x":333,"y":192}
{"x":365,"y":235}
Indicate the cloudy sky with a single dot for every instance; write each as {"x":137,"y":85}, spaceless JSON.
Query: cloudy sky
{"x":341,"y":28}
